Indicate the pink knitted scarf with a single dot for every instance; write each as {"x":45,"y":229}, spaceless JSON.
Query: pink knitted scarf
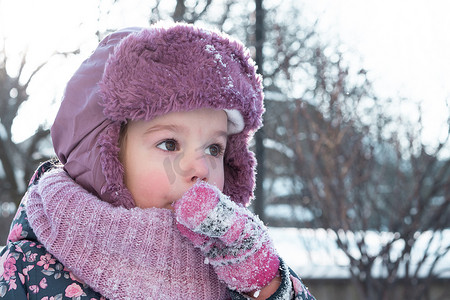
{"x":122,"y":254}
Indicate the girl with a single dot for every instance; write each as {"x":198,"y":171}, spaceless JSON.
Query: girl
{"x":147,"y":200}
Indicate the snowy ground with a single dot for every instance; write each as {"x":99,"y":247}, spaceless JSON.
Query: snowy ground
{"x":312,"y":253}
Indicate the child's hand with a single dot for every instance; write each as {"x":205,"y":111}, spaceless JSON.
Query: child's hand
{"x":234,"y":241}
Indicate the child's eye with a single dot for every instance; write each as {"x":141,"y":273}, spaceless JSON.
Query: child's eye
{"x":214,"y":150}
{"x":168,"y":145}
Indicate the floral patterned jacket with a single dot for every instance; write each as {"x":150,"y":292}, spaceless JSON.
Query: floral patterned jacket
{"x":28,"y":271}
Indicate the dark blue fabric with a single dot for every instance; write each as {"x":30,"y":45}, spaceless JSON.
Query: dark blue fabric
{"x":30,"y":272}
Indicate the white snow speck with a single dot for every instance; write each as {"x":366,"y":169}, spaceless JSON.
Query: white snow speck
{"x":210,"y":48}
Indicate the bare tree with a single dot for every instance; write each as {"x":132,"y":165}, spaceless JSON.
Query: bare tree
{"x":190,"y":14}
{"x":259,"y":136}
{"x":356,"y":167}
{"x":13,"y":93}
{"x":192,"y":11}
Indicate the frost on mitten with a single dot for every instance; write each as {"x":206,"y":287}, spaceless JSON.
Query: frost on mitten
{"x":234,"y":241}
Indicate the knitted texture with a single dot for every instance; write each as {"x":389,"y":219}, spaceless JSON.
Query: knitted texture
{"x":122,"y":254}
{"x":142,"y":73}
{"x":235,"y":242}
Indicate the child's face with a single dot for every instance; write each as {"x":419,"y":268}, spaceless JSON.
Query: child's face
{"x":164,"y":157}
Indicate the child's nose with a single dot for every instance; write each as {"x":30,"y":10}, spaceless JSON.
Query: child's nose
{"x":198,"y":167}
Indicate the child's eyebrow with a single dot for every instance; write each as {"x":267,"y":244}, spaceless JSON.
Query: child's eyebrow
{"x":221,"y":133}
{"x":162,"y":127}
{"x":181,"y":129}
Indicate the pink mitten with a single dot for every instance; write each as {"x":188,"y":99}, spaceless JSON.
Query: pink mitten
{"x":234,"y":241}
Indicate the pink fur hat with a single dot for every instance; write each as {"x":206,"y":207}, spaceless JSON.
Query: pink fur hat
{"x":142,"y":73}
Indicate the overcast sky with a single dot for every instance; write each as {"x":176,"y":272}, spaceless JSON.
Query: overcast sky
{"x":405,"y":44}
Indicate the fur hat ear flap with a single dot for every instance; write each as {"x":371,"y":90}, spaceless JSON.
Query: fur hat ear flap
{"x":239,"y":164}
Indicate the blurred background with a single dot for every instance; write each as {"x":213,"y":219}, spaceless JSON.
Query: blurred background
{"x":354,"y":157}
